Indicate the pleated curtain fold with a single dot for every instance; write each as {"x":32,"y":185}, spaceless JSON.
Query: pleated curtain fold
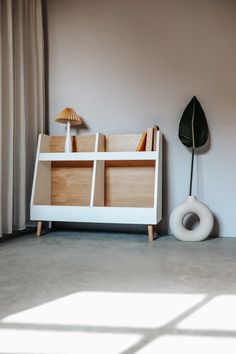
{"x":22,"y":106}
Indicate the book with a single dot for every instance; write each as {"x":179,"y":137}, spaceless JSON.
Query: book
{"x":154,"y":145}
{"x":149,"y":140}
{"x":142,"y":142}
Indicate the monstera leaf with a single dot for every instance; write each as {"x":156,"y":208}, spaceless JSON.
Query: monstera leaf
{"x":193,"y":129}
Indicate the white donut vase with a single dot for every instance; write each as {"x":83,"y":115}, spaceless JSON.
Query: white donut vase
{"x":191,"y":205}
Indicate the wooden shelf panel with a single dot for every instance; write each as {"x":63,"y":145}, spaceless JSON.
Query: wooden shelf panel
{"x":82,"y":143}
{"x":129,"y":184}
{"x":124,"y":142}
{"x":42,"y":184}
{"x":72,"y":164}
{"x":87,"y":143}
{"x":91,"y":143}
{"x":71,"y":182}
{"x":130,"y":163}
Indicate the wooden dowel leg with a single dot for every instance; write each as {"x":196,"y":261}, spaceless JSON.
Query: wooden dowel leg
{"x":39,"y":228}
{"x":150,"y":233}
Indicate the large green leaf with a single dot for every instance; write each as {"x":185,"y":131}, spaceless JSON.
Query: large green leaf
{"x":193,"y":129}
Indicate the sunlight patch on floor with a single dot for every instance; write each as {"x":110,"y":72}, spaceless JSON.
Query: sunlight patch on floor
{"x":189,"y":344}
{"x":218,"y":314}
{"x":59,"y":342}
{"x":97,"y":322}
{"x":135,"y":310}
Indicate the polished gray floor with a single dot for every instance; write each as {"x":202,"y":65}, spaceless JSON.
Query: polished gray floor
{"x":118,"y":292}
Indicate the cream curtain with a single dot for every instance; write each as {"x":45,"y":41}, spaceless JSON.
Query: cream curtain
{"x":22,"y":106}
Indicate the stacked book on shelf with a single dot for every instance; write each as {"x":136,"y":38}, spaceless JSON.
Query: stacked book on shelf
{"x":148,"y":140}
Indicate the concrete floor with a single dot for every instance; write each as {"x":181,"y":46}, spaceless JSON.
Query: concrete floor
{"x":84,"y":292}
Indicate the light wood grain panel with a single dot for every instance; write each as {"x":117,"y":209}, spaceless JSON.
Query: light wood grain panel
{"x":71,"y":164}
{"x":130,"y":163}
{"x":45,"y":144}
{"x":42,"y":193}
{"x":83,"y":143}
{"x":124,"y":142}
{"x":129,"y":186}
{"x":71,"y":183}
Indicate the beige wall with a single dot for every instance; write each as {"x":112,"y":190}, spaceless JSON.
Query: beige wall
{"x":125,"y":65}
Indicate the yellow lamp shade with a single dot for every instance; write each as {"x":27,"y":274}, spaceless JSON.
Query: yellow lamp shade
{"x":68,"y":115}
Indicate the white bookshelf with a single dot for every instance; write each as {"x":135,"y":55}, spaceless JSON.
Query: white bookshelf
{"x":104,"y":181}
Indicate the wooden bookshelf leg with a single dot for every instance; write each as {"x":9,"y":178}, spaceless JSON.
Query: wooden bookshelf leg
{"x":150,"y":233}
{"x":39,"y":228}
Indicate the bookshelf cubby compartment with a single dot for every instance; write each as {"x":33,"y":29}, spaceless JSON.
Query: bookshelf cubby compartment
{"x":103,"y":180}
{"x":71,"y":182}
{"x":129,"y":183}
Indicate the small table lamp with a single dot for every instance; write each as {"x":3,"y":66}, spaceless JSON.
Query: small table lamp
{"x":70,"y":117}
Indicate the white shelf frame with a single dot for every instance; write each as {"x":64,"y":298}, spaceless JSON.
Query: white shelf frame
{"x":99,"y":213}
{"x":98,"y":156}
{"x":95,"y":214}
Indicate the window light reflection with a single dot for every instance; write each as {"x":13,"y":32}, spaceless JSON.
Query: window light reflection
{"x":134,"y":310}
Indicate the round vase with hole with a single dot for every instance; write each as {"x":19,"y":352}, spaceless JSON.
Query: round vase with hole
{"x":206,"y":220}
